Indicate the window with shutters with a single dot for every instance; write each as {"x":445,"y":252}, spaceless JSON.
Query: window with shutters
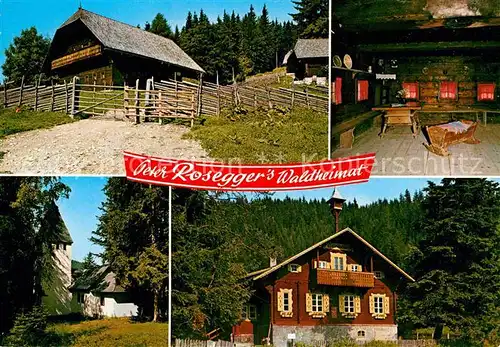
{"x":355,"y":267}
{"x":349,"y":305}
{"x":285,"y":302}
{"x":323,"y":264}
{"x":294,"y":268}
{"x":486,"y":91}
{"x":378,"y":274}
{"x":317,"y":305}
{"x":379,"y":306}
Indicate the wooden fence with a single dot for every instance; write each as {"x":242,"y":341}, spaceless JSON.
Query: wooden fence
{"x":40,"y":97}
{"x":201,"y":343}
{"x":165,"y":99}
{"x":211,"y":98}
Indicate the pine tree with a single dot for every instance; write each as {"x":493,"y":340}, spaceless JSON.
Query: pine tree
{"x":457,"y":264}
{"x":312,"y":18}
{"x":160,"y":26}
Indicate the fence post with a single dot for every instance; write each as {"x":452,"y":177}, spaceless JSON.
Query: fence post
{"x":293,"y":97}
{"x":66,"y":108}
{"x":136,"y":102}
{"x":254,"y":98}
{"x":37,"y":85}
{"x":21,"y":92}
{"x":307,"y":97}
{"x":192,"y":110}
{"x":269,"y":98}
{"x":53,"y":97}
{"x":159,"y":108}
{"x":5,"y":93}
{"x":73,"y":98}
{"x":198,"y":111}
{"x":218,"y":98}
{"x":93,"y":97}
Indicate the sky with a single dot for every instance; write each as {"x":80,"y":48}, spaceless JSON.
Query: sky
{"x":80,"y":212}
{"x":48,"y":15}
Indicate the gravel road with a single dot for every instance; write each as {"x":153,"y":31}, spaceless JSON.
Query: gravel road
{"x":92,"y":146}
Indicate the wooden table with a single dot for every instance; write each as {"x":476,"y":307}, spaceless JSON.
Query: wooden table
{"x":399,"y":115}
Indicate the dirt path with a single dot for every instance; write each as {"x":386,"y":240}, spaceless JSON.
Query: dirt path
{"x":92,"y":146}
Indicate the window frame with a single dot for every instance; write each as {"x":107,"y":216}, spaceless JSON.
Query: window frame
{"x":286,"y":306}
{"x":322,"y":262}
{"x":317,"y":303}
{"x":291,"y":268}
{"x":380,"y":299}
{"x":338,"y":260}
{"x":348,"y":301}
{"x":479,"y":93}
{"x":361,"y":333}
{"x":356,"y":266}
{"x":379,"y":276}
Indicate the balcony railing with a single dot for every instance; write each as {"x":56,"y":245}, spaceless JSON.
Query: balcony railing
{"x":345,"y":278}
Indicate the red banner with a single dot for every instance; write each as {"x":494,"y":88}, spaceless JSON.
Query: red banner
{"x":255,"y":177}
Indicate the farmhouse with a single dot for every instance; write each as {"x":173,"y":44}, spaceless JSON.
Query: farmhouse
{"x":99,"y":294}
{"x":108,"y":52}
{"x":418,"y":71}
{"x":308,"y":58}
{"x":341,"y":286}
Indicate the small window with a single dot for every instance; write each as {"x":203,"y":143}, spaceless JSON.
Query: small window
{"x":322,"y":264}
{"x":338,"y":90}
{"x":486,"y":91}
{"x":448,"y":90}
{"x":102,"y":300}
{"x":378,"y":304}
{"x":64,"y":246}
{"x":286,"y":302}
{"x":249,"y":312}
{"x":361,"y":333}
{"x":355,"y":268}
{"x":294,"y":268}
{"x":338,"y":263}
{"x":378,"y":274}
{"x":80,"y":298}
{"x":362,"y":90}
{"x":411,"y":90}
{"x":317,"y":302}
{"x":349,"y":303}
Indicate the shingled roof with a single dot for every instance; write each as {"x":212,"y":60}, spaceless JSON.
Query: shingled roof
{"x":312,"y":48}
{"x":102,"y":280}
{"x":129,"y":39}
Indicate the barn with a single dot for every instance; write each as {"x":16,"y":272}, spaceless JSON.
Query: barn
{"x":102,"y":50}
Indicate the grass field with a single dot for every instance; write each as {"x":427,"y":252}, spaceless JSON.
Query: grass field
{"x":262,"y":136}
{"x":12,"y":122}
{"x":109,"y":333}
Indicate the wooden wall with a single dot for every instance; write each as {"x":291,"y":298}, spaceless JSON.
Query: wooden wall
{"x":429,"y":71}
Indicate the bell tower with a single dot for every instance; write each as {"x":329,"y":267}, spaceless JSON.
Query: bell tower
{"x":336,"y":202}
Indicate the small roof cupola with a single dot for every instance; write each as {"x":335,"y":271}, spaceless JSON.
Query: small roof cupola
{"x":336,"y":202}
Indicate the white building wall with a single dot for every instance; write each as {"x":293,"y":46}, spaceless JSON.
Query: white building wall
{"x":92,"y":307}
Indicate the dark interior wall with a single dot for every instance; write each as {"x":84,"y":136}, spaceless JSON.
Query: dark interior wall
{"x":465,"y":69}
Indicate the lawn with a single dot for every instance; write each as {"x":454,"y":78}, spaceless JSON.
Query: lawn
{"x":262,"y":136}
{"x":12,"y":122}
{"x":110,"y":333}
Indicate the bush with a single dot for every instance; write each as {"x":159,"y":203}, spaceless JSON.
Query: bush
{"x":28,"y":329}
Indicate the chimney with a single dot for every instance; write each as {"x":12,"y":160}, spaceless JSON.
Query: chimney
{"x":272,"y":262}
{"x":336,"y":202}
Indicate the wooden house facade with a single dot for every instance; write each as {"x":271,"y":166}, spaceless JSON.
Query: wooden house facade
{"x":341,"y":286}
{"x":308,"y":58}
{"x":107,"y":52}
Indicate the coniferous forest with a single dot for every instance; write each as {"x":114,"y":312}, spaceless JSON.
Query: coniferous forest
{"x":239,"y":45}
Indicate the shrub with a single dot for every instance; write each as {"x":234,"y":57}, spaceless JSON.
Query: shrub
{"x":28,"y":329}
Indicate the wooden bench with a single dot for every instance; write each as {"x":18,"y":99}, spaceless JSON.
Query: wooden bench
{"x":345,"y":130}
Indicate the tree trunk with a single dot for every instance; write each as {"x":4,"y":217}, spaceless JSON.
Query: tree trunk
{"x":155,"y":306}
{"x":438,"y":331}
